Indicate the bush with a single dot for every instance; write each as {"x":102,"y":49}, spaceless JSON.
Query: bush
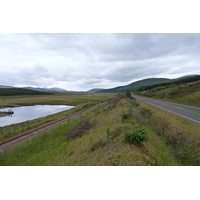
{"x":128,"y":94}
{"x":173,"y":92}
{"x":127,"y":115}
{"x":80,"y":129}
{"x":116,"y":99}
{"x":136,"y":136}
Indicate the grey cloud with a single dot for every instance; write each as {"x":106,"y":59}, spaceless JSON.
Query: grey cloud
{"x":82,"y":61}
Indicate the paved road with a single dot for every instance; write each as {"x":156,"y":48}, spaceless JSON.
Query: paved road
{"x":189,"y":112}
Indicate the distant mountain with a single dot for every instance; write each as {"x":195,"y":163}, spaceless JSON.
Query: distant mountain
{"x":187,"y":76}
{"x":94,"y":90}
{"x":47,"y":89}
{"x":20,"y":91}
{"x":4,"y":86}
{"x":135,"y":85}
{"x":56,"y":89}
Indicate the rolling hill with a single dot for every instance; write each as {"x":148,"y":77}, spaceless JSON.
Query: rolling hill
{"x":185,"y":93}
{"x":94,"y":90}
{"x":135,"y":85}
{"x":4,"y":86}
{"x":20,"y":91}
{"x":46,"y":89}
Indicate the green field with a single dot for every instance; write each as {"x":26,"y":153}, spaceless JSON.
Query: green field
{"x":80,"y":101}
{"x":98,"y":139}
{"x":56,"y":99}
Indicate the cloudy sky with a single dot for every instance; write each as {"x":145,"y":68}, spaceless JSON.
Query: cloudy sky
{"x":84,"y":61}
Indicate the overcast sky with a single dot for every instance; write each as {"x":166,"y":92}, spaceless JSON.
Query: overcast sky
{"x":84,"y":61}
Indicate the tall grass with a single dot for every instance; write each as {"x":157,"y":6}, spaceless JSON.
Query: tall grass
{"x":188,"y":94}
{"x":57,"y":99}
{"x":94,"y":147}
{"x":85,"y":101}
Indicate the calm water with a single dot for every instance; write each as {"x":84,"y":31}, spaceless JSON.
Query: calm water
{"x":26,"y":113}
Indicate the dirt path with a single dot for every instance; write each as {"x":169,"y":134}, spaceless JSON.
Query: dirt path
{"x":16,"y":140}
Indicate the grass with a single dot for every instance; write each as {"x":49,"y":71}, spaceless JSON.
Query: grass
{"x":57,"y":99}
{"x":171,"y":141}
{"x":94,"y":147}
{"x":82,"y":101}
{"x":188,"y":94}
{"x":181,"y":136}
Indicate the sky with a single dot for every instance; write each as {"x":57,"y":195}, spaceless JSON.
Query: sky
{"x":82,"y":61}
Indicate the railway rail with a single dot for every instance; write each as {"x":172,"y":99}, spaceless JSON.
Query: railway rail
{"x":16,"y":140}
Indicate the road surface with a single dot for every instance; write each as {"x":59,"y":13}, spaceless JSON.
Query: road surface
{"x":188,"y":112}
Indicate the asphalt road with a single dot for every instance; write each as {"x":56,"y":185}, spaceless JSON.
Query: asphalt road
{"x":188,"y":112}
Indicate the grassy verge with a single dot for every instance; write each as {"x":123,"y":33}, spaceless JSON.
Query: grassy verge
{"x":98,"y":139}
{"x":188,"y":94}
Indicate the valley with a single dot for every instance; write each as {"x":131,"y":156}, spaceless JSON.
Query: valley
{"x":116,"y":130}
{"x":97,"y":138}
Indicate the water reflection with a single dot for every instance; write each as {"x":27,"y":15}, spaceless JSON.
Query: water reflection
{"x":25,"y":113}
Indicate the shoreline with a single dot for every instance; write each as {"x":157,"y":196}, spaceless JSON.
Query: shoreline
{"x":3,"y":115}
{"x":6,"y":113}
{"x":8,"y":106}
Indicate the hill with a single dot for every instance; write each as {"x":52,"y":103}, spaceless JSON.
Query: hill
{"x":135,"y":85}
{"x":46,"y":89}
{"x":187,"y":76}
{"x":95,"y":90}
{"x":181,"y":80}
{"x":4,"y":86}
{"x":185,"y":93}
{"x":20,"y":91}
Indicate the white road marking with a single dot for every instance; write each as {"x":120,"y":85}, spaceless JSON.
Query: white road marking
{"x":179,"y":108}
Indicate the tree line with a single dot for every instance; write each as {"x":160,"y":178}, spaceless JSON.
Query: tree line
{"x":19,"y":91}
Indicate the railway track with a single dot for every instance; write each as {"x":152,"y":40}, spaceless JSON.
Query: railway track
{"x":16,"y":140}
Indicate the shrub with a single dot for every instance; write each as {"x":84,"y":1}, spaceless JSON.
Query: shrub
{"x":116,"y":99}
{"x":128,"y":94}
{"x":173,"y":92}
{"x":136,"y":136}
{"x":127,"y":115}
{"x":80,"y":129}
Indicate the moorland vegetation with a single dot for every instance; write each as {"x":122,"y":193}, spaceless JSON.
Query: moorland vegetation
{"x":185,"y":93}
{"x":122,"y":131}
